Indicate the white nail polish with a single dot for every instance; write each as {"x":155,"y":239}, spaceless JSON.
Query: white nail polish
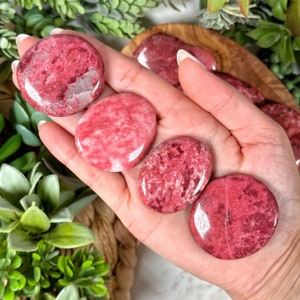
{"x":41,"y":123}
{"x":21,"y":37}
{"x":183,"y":54}
{"x":56,"y":31}
{"x":14,"y":65}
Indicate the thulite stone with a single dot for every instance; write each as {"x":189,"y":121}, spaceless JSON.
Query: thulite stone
{"x":174,"y":174}
{"x":61,"y":74}
{"x":287,"y":117}
{"x":247,"y":90}
{"x":234,"y":216}
{"x":115,"y":133}
{"x":158,"y":53}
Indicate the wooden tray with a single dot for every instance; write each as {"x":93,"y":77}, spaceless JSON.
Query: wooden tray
{"x":231,"y":58}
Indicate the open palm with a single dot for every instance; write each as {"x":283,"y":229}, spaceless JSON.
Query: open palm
{"x":242,"y":139}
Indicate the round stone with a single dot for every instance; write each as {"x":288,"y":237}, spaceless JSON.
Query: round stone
{"x":115,"y":133}
{"x":174,"y":174}
{"x":235,"y":216}
{"x":61,"y":74}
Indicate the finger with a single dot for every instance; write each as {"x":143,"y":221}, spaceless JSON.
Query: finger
{"x":65,"y":150}
{"x":225,"y":103}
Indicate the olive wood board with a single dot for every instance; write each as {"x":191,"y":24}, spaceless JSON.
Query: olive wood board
{"x":231,"y":58}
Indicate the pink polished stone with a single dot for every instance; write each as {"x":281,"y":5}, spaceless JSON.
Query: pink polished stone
{"x":174,"y":174}
{"x":158,"y":53}
{"x":115,"y":133}
{"x":287,"y":117}
{"x":235,"y":216}
{"x":61,"y":74}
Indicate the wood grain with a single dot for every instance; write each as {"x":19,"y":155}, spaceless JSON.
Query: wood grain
{"x":231,"y":58}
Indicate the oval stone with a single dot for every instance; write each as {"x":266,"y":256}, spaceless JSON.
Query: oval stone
{"x":174,"y":174}
{"x":115,"y":133}
{"x":235,"y":216}
{"x":61,"y":74}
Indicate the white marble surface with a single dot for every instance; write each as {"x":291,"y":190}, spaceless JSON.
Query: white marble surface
{"x":158,"y":279}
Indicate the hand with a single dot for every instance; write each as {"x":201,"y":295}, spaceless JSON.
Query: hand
{"x":242,"y":139}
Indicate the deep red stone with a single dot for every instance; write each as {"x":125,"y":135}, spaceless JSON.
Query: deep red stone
{"x":115,"y":133}
{"x":174,"y":174}
{"x":158,"y":53}
{"x":247,"y":90}
{"x":287,"y":117}
{"x":235,"y":216}
{"x":61,"y":74}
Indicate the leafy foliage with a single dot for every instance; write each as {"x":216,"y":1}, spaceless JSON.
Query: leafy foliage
{"x":46,"y":273}
{"x":272,"y":26}
{"x":34,"y":209}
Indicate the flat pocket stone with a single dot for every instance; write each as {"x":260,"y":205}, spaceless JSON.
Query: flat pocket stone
{"x":174,"y":174}
{"x":61,"y":74}
{"x":235,"y":216}
{"x":115,"y":133}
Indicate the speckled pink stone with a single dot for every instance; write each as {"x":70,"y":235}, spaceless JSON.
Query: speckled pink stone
{"x":61,"y":74}
{"x":115,"y":133}
{"x":174,"y":174}
{"x":234,"y":216}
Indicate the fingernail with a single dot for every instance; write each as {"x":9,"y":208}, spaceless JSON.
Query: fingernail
{"x":41,"y":123}
{"x":21,"y":37}
{"x":183,"y":54}
{"x":56,"y":31}
{"x":14,"y":65}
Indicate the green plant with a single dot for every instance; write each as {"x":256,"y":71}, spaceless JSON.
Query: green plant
{"x":271,"y":25}
{"x":34,"y":209}
{"x":46,"y":273}
{"x":10,"y":145}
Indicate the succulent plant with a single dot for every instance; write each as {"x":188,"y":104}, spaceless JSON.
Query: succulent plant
{"x":34,"y":209}
{"x":46,"y":273}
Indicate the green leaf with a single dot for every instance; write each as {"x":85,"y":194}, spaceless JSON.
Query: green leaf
{"x":68,"y":292}
{"x":9,"y":227}
{"x":28,"y":137}
{"x":5,"y":70}
{"x":36,"y":117}
{"x":296,"y":42}
{"x":10,"y":146}
{"x":278,"y":11}
{"x":16,"y":263}
{"x":293,"y":17}
{"x":63,"y":215}
{"x":19,"y":240}
{"x":48,"y":189}
{"x":80,"y":204}
{"x":35,"y":176}
{"x":28,"y":200}
{"x":35,"y":220}
{"x":213,"y":6}
{"x":25,"y":162}
{"x":268,"y":40}
{"x":20,"y":115}
{"x":244,"y":7}
{"x":9,"y":212}
{"x":2,"y":122}
{"x":13,"y":184}
{"x":69,"y":235}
